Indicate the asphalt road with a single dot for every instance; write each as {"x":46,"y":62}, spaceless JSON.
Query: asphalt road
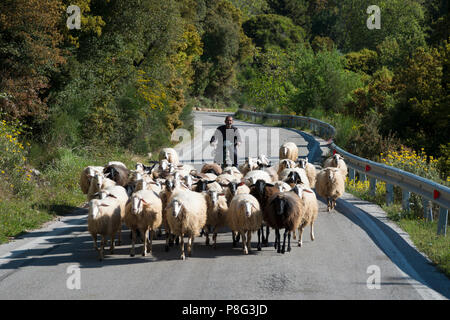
{"x":357,"y":253}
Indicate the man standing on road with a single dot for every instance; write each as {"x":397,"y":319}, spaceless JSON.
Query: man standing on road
{"x":226,"y":138}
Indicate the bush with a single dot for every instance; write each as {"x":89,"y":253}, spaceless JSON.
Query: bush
{"x":15,"y":175}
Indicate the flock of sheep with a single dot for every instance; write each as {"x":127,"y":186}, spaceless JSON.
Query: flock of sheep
{"x":185,"y":202}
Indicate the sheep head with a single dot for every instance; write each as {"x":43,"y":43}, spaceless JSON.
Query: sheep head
{"x":302,"y":162}
{"x":248,"y":208}
{"x":94,"y":208}
{"x":177,"y":206}
{"x":137,"y":204}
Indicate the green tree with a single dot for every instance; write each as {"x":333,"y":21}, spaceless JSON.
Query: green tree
{"x":268,"y":30}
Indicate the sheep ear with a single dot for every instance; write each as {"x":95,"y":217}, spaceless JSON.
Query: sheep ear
{"x":104,"y":205}
{"x":241,"y":184}
{"x":145,"y":202}
{"x":111,"y":195}
{"x":221,"y":194}
{"x":308,"y":190}
{"x":270,"y":184}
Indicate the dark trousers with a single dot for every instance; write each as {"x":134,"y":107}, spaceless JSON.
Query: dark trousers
{"x":224,"y":153}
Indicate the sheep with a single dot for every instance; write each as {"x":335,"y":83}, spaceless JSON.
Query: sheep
{"x":225,"y":179}
{"x":336,"y":161}
{"x":207,"y":176}
{"x":86,"y":176}
{"x":98,"y":183}
{"x":144,"y":213}
{"x":143,"y":169}
{"x":165,"y":168}
{"x":311,"y":211}
{"x":330,"y":184}
{"x":116,"y":163}
{"x":119,"y":193}
{"x":186,"y":214}
{"x":252,"y":176}
{"x":216,"y":214}
{"x":117,"y":173}
{"x":284,"y":164}
{"x":170,"y":154}
{"x":282,"y":186}
{"x":249,"y":165}
{"x":284,"y":210}
{"x":104,"y":219}
{"x":294,"y":176}
{"x":234,"y":172}
{"x":288,"y":150}
{"x":262,"y":191}
{"x":245,"y":216}
{"x":234,"y":188}
{"x":212,"y":168}
{"x":310,"y":171}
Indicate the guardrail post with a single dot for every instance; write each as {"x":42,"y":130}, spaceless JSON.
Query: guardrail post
{"x":405,"y":199}
{"x":442,"y":222}
{"x":362,"y":177}
{"x":427,"y":209}
{"x":373,"y":186}
{"x":389,"y":194}
{"x":351,"y":174}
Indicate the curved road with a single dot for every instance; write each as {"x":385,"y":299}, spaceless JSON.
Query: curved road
{"x":357,"y":254}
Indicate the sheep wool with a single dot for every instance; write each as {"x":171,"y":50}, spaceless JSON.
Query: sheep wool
{"x":330,"y":184}
{"x":186,"y":214}
{"x":245,"y":217}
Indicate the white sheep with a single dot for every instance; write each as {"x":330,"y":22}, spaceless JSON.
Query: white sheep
{"x":249,"y":165}
{"x":170,"y":154}
{"x":310,"y":171}
{"x":86,"y":176}
{"x":244,"y":216}
{"x":143,"y":213}
{"x":186,"y":214}
{"x":104,"y":219}
{"x":233,"y":171}
{"x":252,"y":176}
{"x":284,"y":164}
{"x":98,"y":182}
{"x":294,"y":176}
{"x":288,"y":150}
{"x":117,"y":163}
{"x":330,"y":184}
{"x":336,"y":161}
{"x":119,"y":193}
{"x":216,"y":214}
{"x":311,"y":211}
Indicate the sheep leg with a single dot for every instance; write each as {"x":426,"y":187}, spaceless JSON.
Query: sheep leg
{"x":278,"y":240}
{"x":144,"y":250}
{"x":266,"y":240}
{"x":94,"y":237}
{"x":300,"y":235}
{"x":102,"y":247}
{"x":244,"y":244}
{"x":214,"y":238}
{"x":294,"y":237}
{"x":167,"y":242}
{"x":190,"y":245}
{"x":283,"y":249}
{"x":152,"y":234}
{"x":312,"y":231}
{"x":289,"y":241}
{"x":259,"y":239}
{"x":236,"y":236}
{"x":249,"y":238}
{"x":119,"y":238}
{"x":206,"y":231}
{"x":133,"y":242}
{"x":183,"y":257}
{"x":113,"y":236}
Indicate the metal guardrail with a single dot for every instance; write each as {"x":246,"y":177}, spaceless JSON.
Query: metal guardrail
{"x":430,"y":191}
